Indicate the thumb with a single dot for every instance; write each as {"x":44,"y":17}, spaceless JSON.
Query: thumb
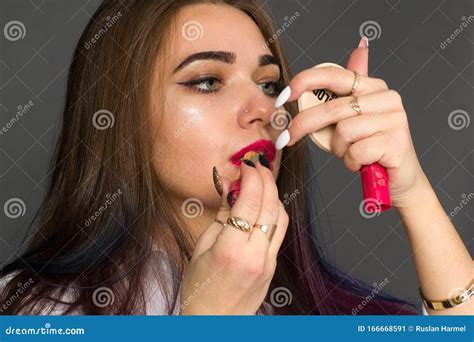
{"x":359,"y":58}
{"x":209,"y":236}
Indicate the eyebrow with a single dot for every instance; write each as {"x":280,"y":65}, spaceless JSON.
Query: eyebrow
{"x":224,"y":57}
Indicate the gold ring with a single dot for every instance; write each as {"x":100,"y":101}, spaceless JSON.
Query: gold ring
{"x":354,"y":104}
{"x":267,"y":229}
{"x":239,"y":223}
{"x":219,"y":221}
{"x":356,"y":82}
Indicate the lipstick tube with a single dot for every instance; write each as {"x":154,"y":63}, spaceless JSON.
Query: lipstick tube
{"x":234,"y":188}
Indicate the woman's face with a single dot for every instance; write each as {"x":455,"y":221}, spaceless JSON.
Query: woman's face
{"x":214,"y":104}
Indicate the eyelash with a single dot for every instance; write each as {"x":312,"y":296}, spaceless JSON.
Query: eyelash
{"x":278,"y":85}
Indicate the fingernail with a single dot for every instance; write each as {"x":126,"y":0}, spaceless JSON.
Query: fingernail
{"x":364,"y":42}
{"x":283,"y":97}
{"x":282,"y":140}
{"x":264,"y":161}
{"x":217,"y":181}
{"x":234,"y":190}
{"x":231,"y":198}
{"x":249,"y":163}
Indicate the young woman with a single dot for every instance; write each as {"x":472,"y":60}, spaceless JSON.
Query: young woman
{"x":161,"y":92}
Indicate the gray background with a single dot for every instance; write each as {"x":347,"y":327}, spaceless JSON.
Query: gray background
{"x":406,"y":53}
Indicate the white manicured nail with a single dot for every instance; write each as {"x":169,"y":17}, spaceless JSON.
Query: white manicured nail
{"x":283,"y":97}
{"x":282,"y":140}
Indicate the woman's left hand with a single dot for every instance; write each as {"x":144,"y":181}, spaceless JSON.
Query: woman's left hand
{"x":380,"y":134}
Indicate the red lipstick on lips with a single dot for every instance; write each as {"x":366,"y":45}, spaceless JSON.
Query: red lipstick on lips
{"x":262,"y":147}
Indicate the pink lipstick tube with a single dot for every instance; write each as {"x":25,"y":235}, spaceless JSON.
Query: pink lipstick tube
{"x":375,"y":188}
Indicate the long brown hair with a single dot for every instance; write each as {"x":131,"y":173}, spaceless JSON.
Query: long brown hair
{"x":76,"y":251}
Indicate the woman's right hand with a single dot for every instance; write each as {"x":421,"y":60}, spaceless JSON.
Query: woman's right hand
{"x":231,"y":270}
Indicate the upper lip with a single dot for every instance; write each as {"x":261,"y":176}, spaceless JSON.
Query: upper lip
{"x":267,"y":147}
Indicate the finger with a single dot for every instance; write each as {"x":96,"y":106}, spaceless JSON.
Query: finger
{"x":279,"y":234}
{"x":359,"y":58}
{"x":358,"y":127}
{"x":381,"y":148}
{"x":338,"y":80}
{"x":247,"y":206}
{"x":209,"y":236}
{"x":269,"y":210}
{"x":314,"y":118}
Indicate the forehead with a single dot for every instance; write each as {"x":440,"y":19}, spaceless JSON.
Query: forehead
{"x":207,"y":27}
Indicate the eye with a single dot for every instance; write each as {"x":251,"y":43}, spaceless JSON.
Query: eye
{"x":204,"y":84}
{"x":272,"y":88}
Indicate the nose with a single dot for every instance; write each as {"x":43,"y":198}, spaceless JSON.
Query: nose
{"x":255,"y":109}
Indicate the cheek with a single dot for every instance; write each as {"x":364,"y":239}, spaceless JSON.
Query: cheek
{"x":189,"y":143}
